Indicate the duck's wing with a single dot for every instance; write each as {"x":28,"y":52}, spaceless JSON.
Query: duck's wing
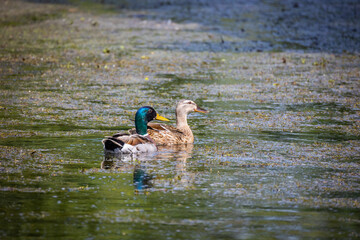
{"x":126,"y":143}
{"x":139,"y":144}
{"x":163,"y":134}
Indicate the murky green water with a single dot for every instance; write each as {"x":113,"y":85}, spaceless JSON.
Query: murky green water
{"x":277,"y":157}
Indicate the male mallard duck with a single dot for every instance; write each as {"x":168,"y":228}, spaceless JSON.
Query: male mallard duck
{"x":163,"y":134}
{"x":138,"y":142}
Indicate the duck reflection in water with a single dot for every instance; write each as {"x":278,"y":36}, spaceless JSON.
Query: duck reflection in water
{"x":144,"y":170}
{"x":142,"y":179}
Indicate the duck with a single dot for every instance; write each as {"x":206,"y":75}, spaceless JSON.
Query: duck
{"x":138,"y":141}
{"x":163,"y":134}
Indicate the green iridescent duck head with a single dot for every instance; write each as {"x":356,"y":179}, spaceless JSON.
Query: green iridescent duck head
{"x":145,"y":115}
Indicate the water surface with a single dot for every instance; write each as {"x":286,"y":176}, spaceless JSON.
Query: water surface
{"x":276,"y":157}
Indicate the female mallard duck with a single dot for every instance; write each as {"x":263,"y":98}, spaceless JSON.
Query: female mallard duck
{"x":138,"y":142}
{"x":163,"y":134}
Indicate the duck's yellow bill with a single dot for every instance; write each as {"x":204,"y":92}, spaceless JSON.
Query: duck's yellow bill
{"x":158,"y":117}
{"x":198,"y":109}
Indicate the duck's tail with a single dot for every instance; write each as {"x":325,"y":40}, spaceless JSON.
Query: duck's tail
{"x":113,"y":144}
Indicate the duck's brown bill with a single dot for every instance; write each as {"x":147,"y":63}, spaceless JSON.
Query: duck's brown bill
{"x":202,"y":110}
{"x":158,"y":117}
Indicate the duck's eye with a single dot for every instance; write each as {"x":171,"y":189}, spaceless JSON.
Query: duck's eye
{"x":150,"y":111}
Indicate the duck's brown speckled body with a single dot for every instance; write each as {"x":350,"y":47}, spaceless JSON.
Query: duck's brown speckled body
{"x":163,"y":134}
